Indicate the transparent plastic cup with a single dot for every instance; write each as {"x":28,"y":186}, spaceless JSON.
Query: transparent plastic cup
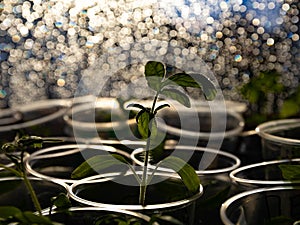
{"x":280,"y":139}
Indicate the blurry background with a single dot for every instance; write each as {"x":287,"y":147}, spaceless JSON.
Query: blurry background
{"x":251,"y":46}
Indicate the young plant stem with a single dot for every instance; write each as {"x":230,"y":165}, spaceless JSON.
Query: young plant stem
{"x":29,"y":186}
{"x":144,"y":182}
{"x":21,"y":172}
{"x":32,"y":194}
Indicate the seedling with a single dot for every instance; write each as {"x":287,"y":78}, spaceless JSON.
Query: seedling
{"x":15,"y":151}
{"x":170,"y":87}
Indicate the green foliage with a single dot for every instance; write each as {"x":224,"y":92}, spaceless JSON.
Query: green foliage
{"x":98,"y":163}
{"x":143,"y":120}
{"x":157,"y":80}
{"x":258,"y":92}
{"x":291,"y":105}
{"x":185,"y":80}
{"x":8,"y":211}
{"x":184,"y":170}
{"x":15,"y":151}
{"x":62,"y":203}
{"x":177,"y":95}
{"x":290,"y":172}
{"x":171,"y":87}
{"x":259,"y":87}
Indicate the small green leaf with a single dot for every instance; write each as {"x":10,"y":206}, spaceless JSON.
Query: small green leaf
{"x":61,"y":201}
{"x":184,"y":170}
{"x":97,"y":163}
{"x":154,"y":72}
{"x":143,"y":120}
{"x":140,"y":113}
{"x":290,"y":172}
{"x":177,"y":95}
{"x":30,"y":142}
{"x":8,"y":211}
{"x":8,"y":148}
{"x":154,"y":68}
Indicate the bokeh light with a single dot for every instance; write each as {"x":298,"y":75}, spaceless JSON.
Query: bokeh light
{"x":46,"y":46}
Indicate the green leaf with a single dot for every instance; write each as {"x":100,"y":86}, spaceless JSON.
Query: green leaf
{"x":250,"y":93}
{"x":8,"y":148}
{"x":154,"y":82}
{"x":195,"y":81}
{"x":8,"y":211}
{"x":207,"y":86}
{"x":30,"y":218}
{"x":154,"y":68}
{"x":97,"y":163}
{"x":181,"y":79}
{"x":154,"y":72}
{"x":61,"y":201}
{"x":156,"y":152}
{"x":289,"y":108}
{"x":143,"y":120}
{"x":177,"y":95}
{"x":290,"y":172}
{"x":184,"y":170}
{"x":30,"y":142}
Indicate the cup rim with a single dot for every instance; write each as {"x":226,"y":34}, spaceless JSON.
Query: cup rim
{"x":111,"y":209}
{"x":73,"y":148}
{"x":207,"y":135}
{"x":137,"y":207}
{"x":33,"y":178}
{"x":278,"y":125}
{"x":234,"y":177}
{"x":232,"y":199}
{"x":42,"y":104}
{"x":235,"y":159}
{"x":104,"y":103}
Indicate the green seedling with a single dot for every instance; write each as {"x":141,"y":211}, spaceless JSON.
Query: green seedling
{"x":171,"y":87}
{"x":16,"y":151}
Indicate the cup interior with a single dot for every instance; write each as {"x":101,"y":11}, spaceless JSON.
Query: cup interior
{"x":278,"y":205}
{"x":262,"y":174}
